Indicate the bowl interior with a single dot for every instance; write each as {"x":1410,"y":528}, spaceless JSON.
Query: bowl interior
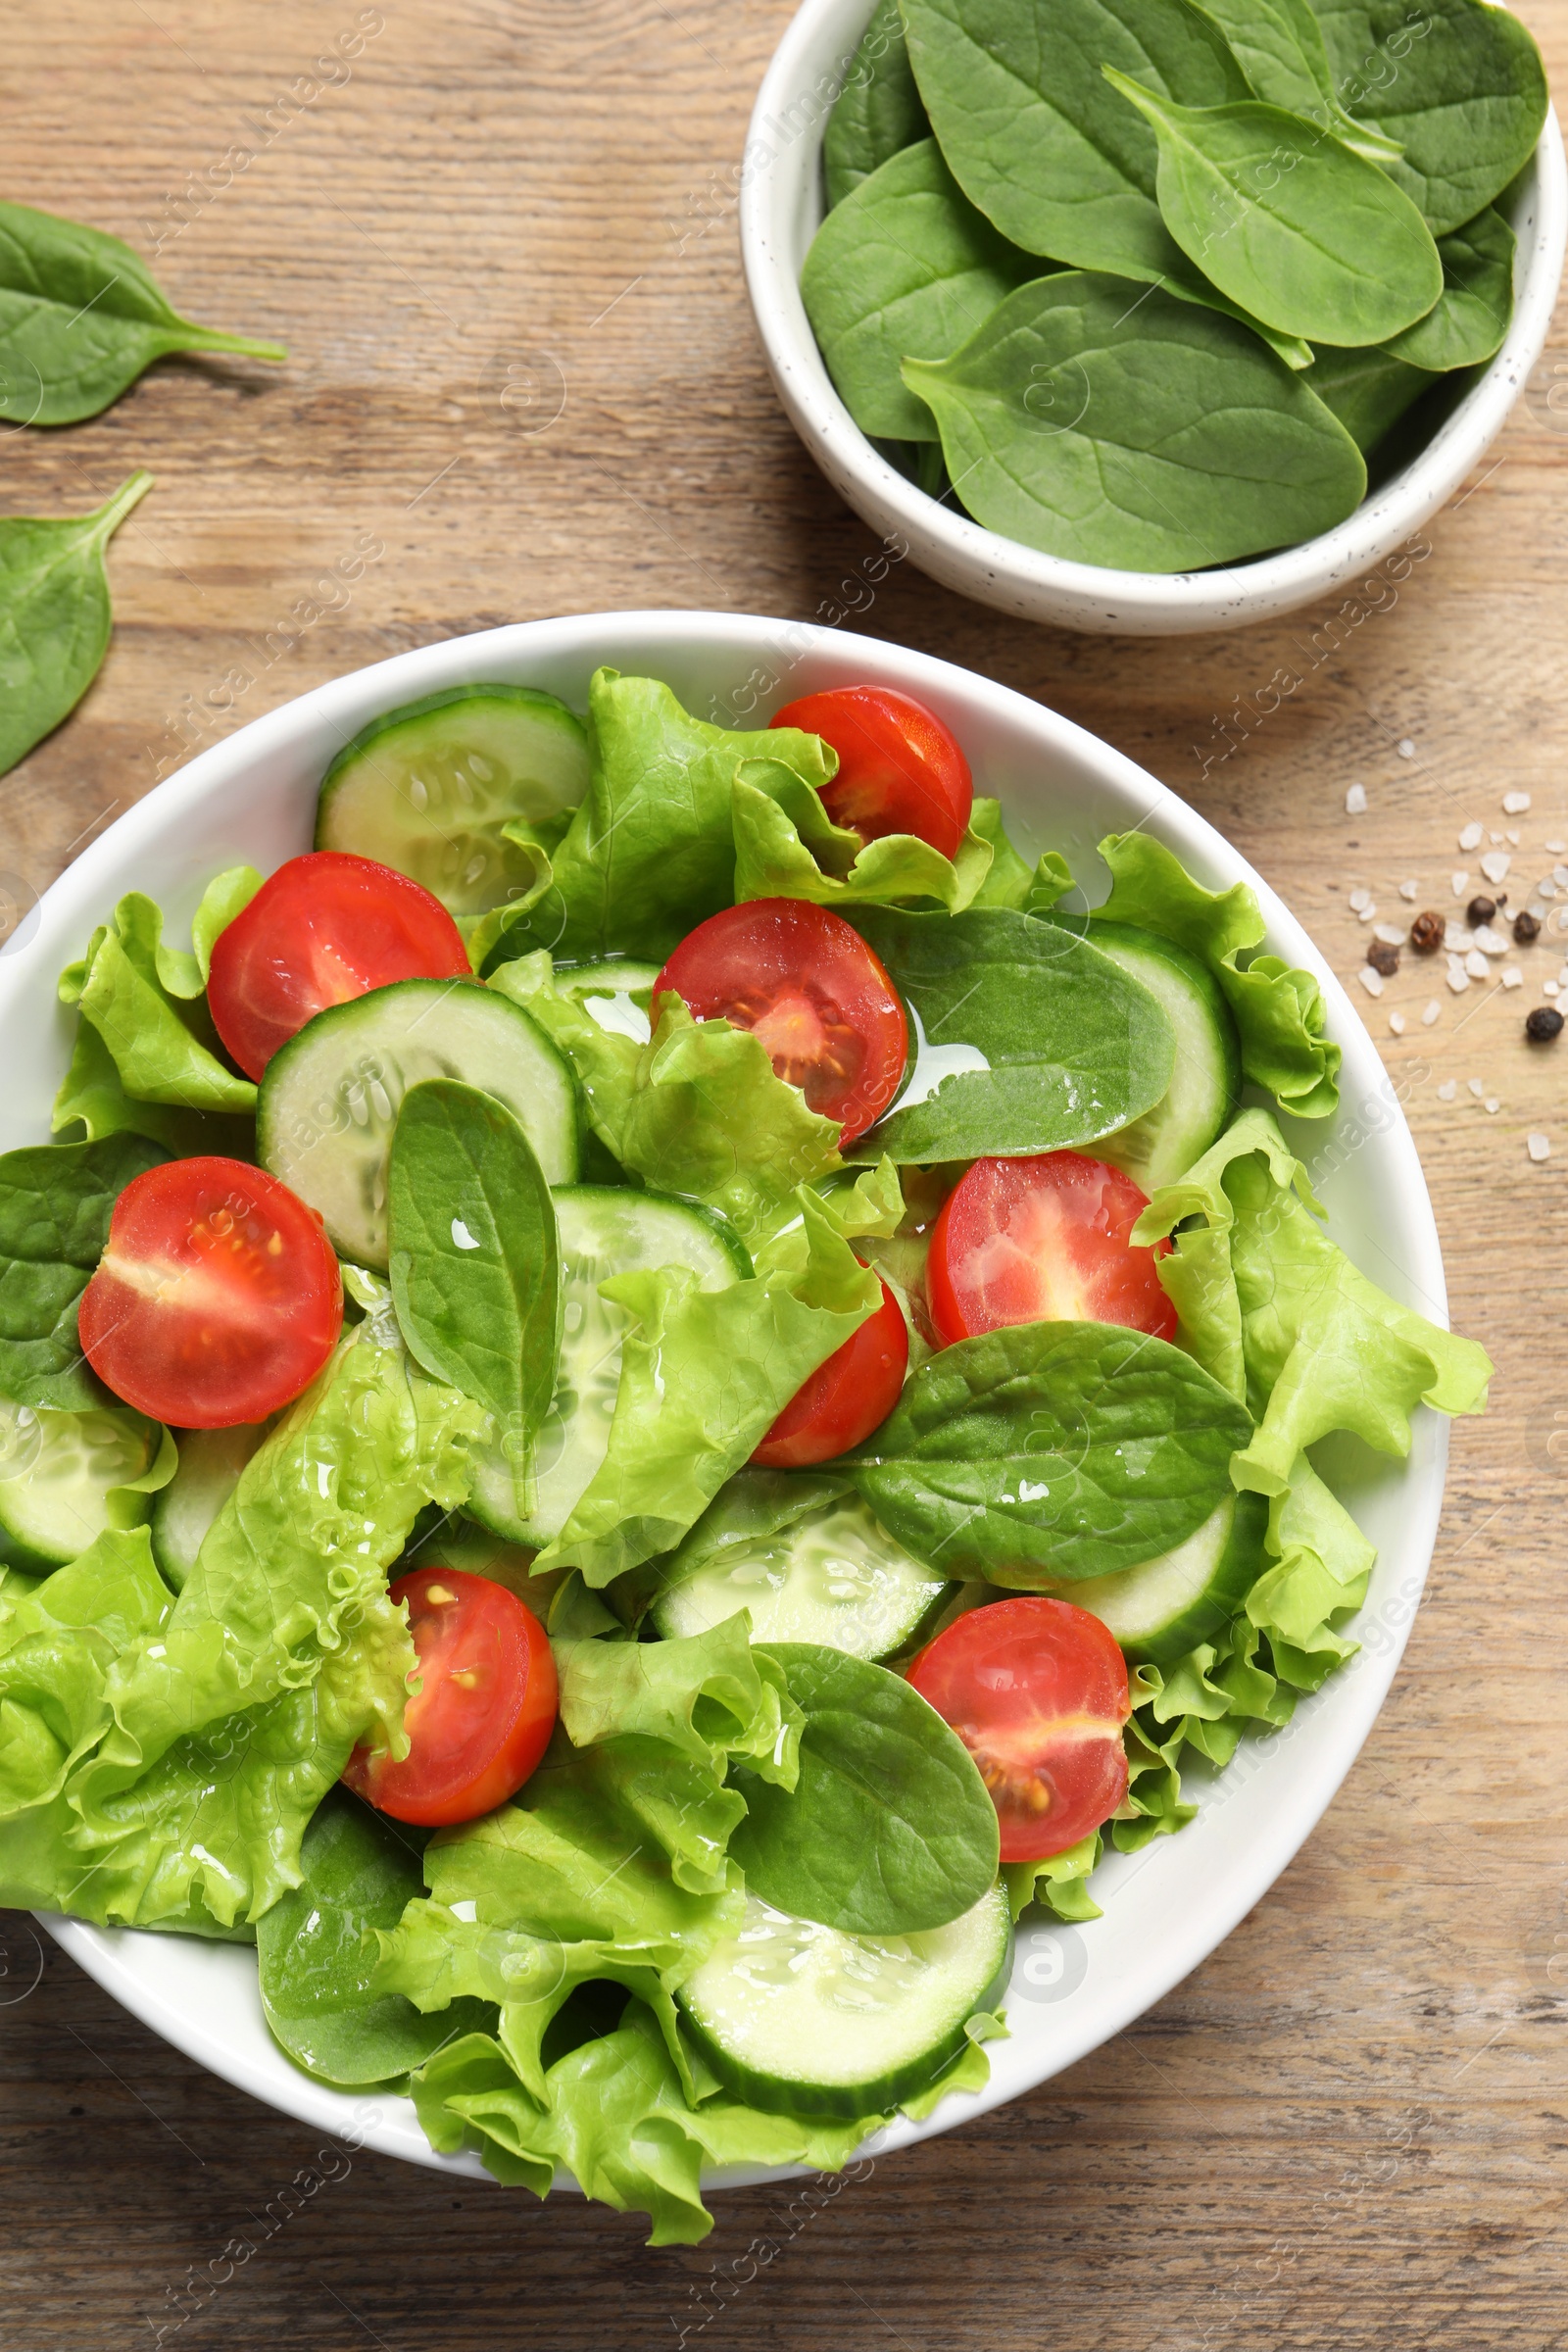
{"x":253,"y":798}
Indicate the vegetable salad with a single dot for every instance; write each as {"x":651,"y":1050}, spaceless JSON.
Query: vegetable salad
{"x":646,"y":1396}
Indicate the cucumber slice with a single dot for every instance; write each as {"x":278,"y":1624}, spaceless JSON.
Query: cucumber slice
{"x":210,"y":1463}
{"x":1205,"y":1086}
{"x":799,"y":2019}
{"x":1163,"y":1608}
{"x":834,"y":1577}
{"x":603,"y":1232}
{"x":429,"y":788}
{"x":59,"y":1471}
{"x":329,"y":1099}
{"x":616,"y":993}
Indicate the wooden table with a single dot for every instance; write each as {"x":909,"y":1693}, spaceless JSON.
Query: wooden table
{"x":502,"y":252}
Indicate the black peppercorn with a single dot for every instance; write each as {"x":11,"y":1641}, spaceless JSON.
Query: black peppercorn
{"x":1426,"y":933}
{"x":1382,"y":957}
{"x":1480,"y":910}
{"x":1543,"y":1024}
{"x":1526,"y":927}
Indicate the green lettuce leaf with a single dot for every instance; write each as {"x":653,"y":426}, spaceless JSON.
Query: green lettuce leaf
{"x":1284,"y":1320}
{"x":1058,"y":1885}
{"x":697,"y":1111}
{"x":788,"y":847}
{"x":227,"y":895}
{"x":57,"y":1643}
{"x":147,"y":1004}
{"x":711,"y":1696}
{"x":1279,"y":1011}
{"x":651,"y":854}
{"x":703,"y":1376}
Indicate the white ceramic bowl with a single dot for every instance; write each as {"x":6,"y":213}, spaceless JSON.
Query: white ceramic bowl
{"x":253,"y":798}
{"x":781,"y":209}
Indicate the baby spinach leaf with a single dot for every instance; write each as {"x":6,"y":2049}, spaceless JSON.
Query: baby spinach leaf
{"x":1037,"y":140}
{"x":904,"y":268}
{"x":1135,"y":431}
{"x":317,"y":1952}
{"x":54,"y":614}
{"x":81,"y":316}
{"x":1029,"y":1039}
{"x":55,"y":1206}
{"x":475,"y":1258}
{"x":1052,"y":1450}
{"x":889,"y":1828}
{"x":879,"y":109}
{"x":1279,"y":46}
{"x":1289,"y":222}
{"x":1470,"y":318}
{"x":1367,"y":390}
{"x":1458,"y":83}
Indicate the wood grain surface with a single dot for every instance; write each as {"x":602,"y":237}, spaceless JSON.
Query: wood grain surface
{"x":503,"y":253}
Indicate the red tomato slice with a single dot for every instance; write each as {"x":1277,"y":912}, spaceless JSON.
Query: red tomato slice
{"x":326,"y":928}
{"x":1037,"y":1691}
{"x":900,"y":767}
{"x":217,"y":1297}
{"x":485,"y":1709}
{"x":844,"y":1398}
{"x":808,"y":985}
{"x":1043,"y":1241}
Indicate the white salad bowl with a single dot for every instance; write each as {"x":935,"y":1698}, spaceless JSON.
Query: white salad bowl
{"x":781,"y":209}
{"x":253,"y":798}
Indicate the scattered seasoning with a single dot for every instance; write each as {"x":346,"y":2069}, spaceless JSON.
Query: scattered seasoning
{"x":1448,"y":1089}
{"x":1542,"y":1024}
{"x":1526,"y":927}
{"x":1355,"y":801}
{"x":1382,"y":957}
{"x":1538,"y":1146}
{"x":1426,"y":933}
{"x":1549,"y":988}
{"x":1476,"y":964}
{"x":1513,"y":977}
{"x":1514,"y":803}
{"x":1495,"y":865}
{"x":1557,"y":848}
{"x":1397,"y":1024}
{"x":1470,"y":838}
{"x":1409,"y":891}
{"x":1390,"y":936}
{"x":1360,"y":900}
{"x":1491,"y":1107}
{"x":1490,"y":942}
{"x":1432,"y":1012}
{"x":1407,"y":747}
{"x":1512,"y":835}
{"x":1481,"y":910}
{"x":1461,"y":883}
{"x":1371,"y":979}
{"x":1559,"y":874}
{"x":1477,"y":1086}
{"x":1458,"y":977}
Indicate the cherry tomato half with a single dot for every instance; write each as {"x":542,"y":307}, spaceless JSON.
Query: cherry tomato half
{"x":844,"y":1398}
{"x":808,"y":985}
{"x":1037,"y":1691}
{"x":1043,"y":1241}
{"x":326,"y":928}
{"x":485,"y":1709}
{"x":900,"y":767}
{"x":218,"y":1297}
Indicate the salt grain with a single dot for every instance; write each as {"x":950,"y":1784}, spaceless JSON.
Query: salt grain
{"x":1476,"y":964}
{"x":1358,"y":900}
{"x":1458,"y":979}
{"x":1513,"y":977}
{"x":1432,"y":1012}
{"x":1492,"y":1105}
{"x":1458,"y":938}
{"x":1495,"y":865}
{"x":1409,"y":891}
{"x":1546,"y":889}
{"x":1493,"y":836}
{"x":1549,"y":988}
{"x":1490,"y":942}
{"x":1397,"y":1024}
{"x":1477,"y":1086}
{"x":1366,"y":913}
{"x":1448,"y":1089}
{"x":1559,"y":874}
{"x":1407,"y":747}
{"x":1370,"y":980}
{"x":1470,"y":838}
{"x":1513,"y":835}
{"x":1355,"y":801}
{"x":1538,"y":1146}
{"x":1461,"y":883}
{"x":1390,"y":936}
{"x":1556,"y":847}
{"x":1514,"y":803}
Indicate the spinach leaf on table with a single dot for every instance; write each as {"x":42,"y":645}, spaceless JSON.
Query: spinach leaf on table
{"x":878,"y":111}
{"x":1127,"y":429}
{"x":55,"y":1204}
{"x":1279,"y":46}
{"x":889,"y":1829}
{"x":54,"y":614}
{"x":906,"y":267}
{"x":1039,"y":142}
{"x":1047,"y":1451}
{"x":1470,"y":318}
{"x":1458,"y":83}
{"x":317,"y":1952}
{"x":81,"y":316}
{"x":1029,"y":1038}
{"x":1294,"y":227}
{"x":475,"y":1258}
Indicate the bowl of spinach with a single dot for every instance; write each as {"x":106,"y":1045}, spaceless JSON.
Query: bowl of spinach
{"x":1143,"y":316}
